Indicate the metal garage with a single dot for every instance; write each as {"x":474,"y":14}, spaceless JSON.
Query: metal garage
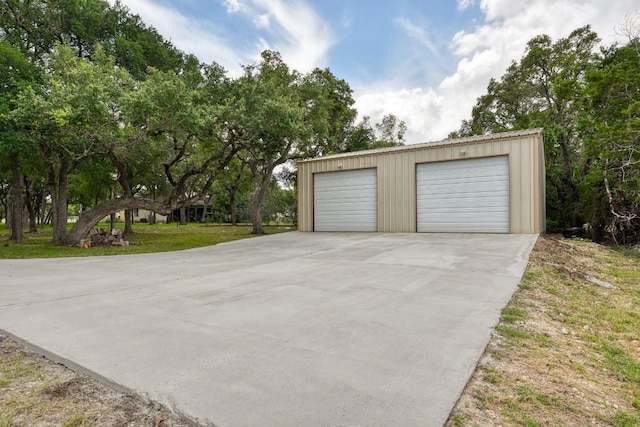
{"x":464,"y":195}
{"x":490,"y":183}
{"x":345,"y":201}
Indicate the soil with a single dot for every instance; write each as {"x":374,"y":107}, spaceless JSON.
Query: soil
{"x":35,"y":391}
{"x":567,"y":349}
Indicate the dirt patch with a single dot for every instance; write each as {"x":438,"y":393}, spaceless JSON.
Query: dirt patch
{"x":35,"y":391}
{"x":566,"y":350}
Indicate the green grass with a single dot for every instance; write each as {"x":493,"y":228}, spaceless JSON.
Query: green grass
{"x":625,"y":274}
{"x":624,"y":419}
{"x":75,"y":421}
{"x":510,"y":332}
{"x":566,"y":349}
{"x":147,"y":238}
{"x":512,"y":314}
{"x":621,"y":363}
{"x":6,"y":420}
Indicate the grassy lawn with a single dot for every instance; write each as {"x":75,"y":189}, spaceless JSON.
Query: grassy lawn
{"x":146,"y":238}
{"x":567,"y":350}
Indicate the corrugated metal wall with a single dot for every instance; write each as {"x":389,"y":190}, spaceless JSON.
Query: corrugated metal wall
{"x":396,"y":171}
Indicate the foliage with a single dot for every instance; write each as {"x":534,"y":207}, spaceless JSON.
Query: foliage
{"x":119,"y":119}
{"x":279,"y":115}
{"x":589,"y":107}
{"x":389,"y":132}
{"x":35,"y":27}
{"x":610,"y":127}
{"x":16,"y":74}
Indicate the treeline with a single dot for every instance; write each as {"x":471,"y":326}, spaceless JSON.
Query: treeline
{"x":99,"y":110}
{"x":588,"y":102}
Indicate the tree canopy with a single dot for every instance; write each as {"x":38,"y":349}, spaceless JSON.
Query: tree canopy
{"x":101,"y":111}
{"x":97,"y":109}
{"x":587,"y":103}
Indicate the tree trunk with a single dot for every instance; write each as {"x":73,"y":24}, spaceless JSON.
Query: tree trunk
{"x":256,"y":216}
{"x":48,"y":219}
{"x":232,"y":197}
{"x":43,"y":210}
{"x":574,"y":194}
{"x":59,"y":210}
{"x":261,"y":184}
{"x":90,"y":218}
{"x":16,"y":203}
{"x":234,"y":213}
{"x":58,"y":181}
{"x":183,"y":216}
{"x":31,"y":209}
{"x":128,"y":221}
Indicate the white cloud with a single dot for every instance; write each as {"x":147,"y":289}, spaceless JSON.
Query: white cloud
{"x":189,"y":35}
{"x":425,"y":111}
{"x":301,"y":36}
{"x":465,"y":4}
{"x":262,"y":21}
{"x":484,"y":52}
{"x":234,"y":6}
{"x":416,"y":32}
{"x":294,"y":29}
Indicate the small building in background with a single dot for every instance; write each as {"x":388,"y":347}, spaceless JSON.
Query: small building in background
{"x":142,"y":215}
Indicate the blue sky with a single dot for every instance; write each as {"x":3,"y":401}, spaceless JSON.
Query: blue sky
{"x":424,"y":61}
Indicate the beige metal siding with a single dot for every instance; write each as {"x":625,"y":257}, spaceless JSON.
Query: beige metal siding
{"x":397,"y":181}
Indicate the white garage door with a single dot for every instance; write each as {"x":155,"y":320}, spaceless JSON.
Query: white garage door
{"x":464,"y":196}
{"x":345,"y":201}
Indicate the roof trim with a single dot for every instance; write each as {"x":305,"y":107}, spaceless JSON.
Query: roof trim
{"x":444,"y":142}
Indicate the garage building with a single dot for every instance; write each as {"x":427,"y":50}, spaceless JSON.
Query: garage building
{"x":483,"y":184}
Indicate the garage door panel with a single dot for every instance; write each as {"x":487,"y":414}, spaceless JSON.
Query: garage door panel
{"x":343,"y":220}
{"x":346,"y":201}
{"x":462,"y":176}
{"x":358,"y":192}
{"x":453,"y":192}
{"x":479,"y":200}
{"x":458,"y":180}
{"x":332,"y":181}
{"x":467,"y":228}
{"x":471,"y":211}
{"x":464,"y":196}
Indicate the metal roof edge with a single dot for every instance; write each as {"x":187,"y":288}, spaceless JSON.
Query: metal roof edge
{"x":453,"y":141}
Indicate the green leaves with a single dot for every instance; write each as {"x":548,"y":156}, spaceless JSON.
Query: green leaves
{"x":589,"y":107}
{"x":544,"y":89}
{"x":610,"y":126}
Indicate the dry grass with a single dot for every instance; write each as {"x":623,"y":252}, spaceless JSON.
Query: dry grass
{"x":37,"y":392}
{"x":566,"y":351}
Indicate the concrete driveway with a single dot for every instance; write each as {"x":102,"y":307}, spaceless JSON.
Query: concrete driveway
{"x":293,"y":329}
